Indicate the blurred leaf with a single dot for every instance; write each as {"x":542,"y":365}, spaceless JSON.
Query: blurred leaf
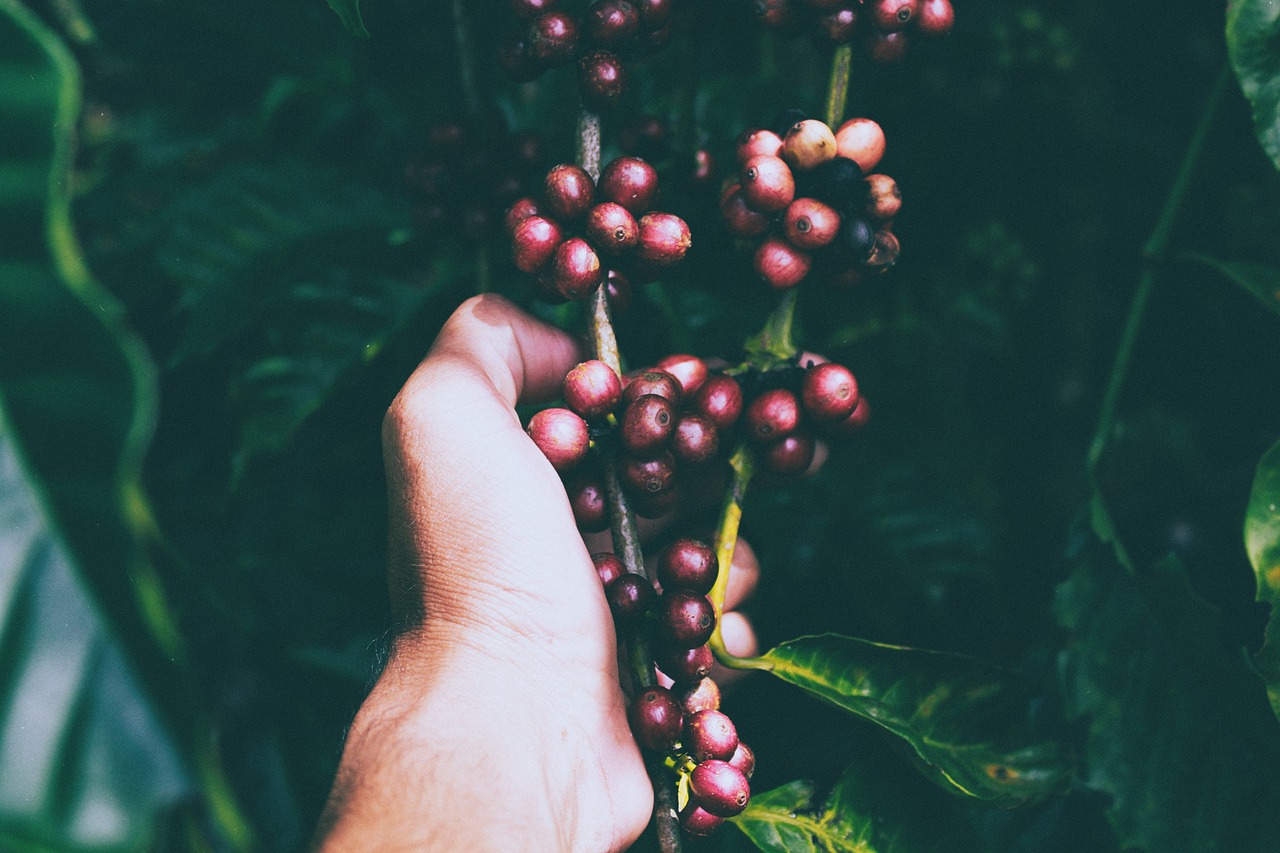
{"x":1262,"y":541}
{"x":1177,"y":731}
{"x":1253,"y":30}
{"x":864,"y":813}
{"x":970,"y":723}
{"x":349,"y":12}
{"x":1260,"y":281}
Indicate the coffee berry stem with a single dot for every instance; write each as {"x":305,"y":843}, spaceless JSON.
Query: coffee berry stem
{"x":774,"y":343}
{"x":838,"y":84}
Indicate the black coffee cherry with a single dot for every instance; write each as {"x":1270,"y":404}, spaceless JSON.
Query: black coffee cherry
{"x":686,"y":666}
{"x":780,"y":264}
{"x":618,"y":287}
{"x":685,"y":619}
{"x":631,"y":182}
{"x":608,"y":567}
{"x":664,"y":239}
{"x":699,"y":822}
{"x":602,"y":79}
{"x":884,"y":199}
{"x":935,"y":17}
{"x":695,"y":439}
{"x":856,"y":239}
{"x":720,"y":788}
{"x":773,"y":415}
{"x":688,"y":564}
{"x":576,"y":270}
{"x":655,"y":719}
{"x":710,"y":735}
{"x":587,"y":498}
{"x":610,"y":23}
{"x":534,"y":243}
{"x":790,"y":456}
{"x":654,"y":382}
{"x":767,"y":183}
{"x":810,"y":224}
{"x":807,"y":144}
{"x":561,"y":436}
{"x":651,"y":477}
{"x":568,"y":191}
{"x":689,"y":370}
{"x":552,"y":39}
{"x":786,"y":120}
{"x":703,"y":696}
{"x":744,"y":758}
{"x":740,"y":218}
{"x":829,"y":392}
{"x":630,"y":597}
{"x":719,"y":400}
{"x":861,"y":140}
{"x":838,"y":182}
{"x":592,"y":389}
{"x":647,"y":424}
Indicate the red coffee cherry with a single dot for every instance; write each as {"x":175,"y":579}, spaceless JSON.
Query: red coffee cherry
{"x":767,"y":183}
{"x":576,"y":271}
{"x":631,"y":182}
{"x":884,"y":199}
{"x":780,"y":264}
{"x":654,"y":382}
{"x":688,"y":564}
{"x":647,"y":424}
{"x":862,"y":141}
{"x":685,"y":619}
{"x":719,"y":400}
{"x":809,"y":224}
{"x":935,"y":17}
{"x":886,"y":48}
{"x":592,"y":389}
{"x":655,"y":719}
{"x":696,"y":820}
{"x":739,"y":217}
{"x":744,"y":759}
{"x":773,"y":415}
{"x":552,"y":39}
{"x":612,"y":229}
{"x":534,"y":243}
{"x":648,"y":477}
{"x":608,"y":567}
{"x":710,"y":735}
{"x":630,"y":597}
{"x":689,"y":370}
{"x":829,"y":392}
{"x":703,"y":696}
{"x":695,"y":439}
{"x":602,"y":79}
{"x":561,"y":436}
{"x":587,"y":499}
{"x":720,"y":788}
{"x":855,"y":421}
{"x":790,"y":456}
{"x":664,"y":238}
{"x":655,"y":506}
{"x":568,"y":191}
{"x":807,"y":144}
{"x":686,"y":666}
{"x":893,"y":15}
{"x":610,"y":23}
{"x":518,"y":212}
{"x":838,"y":26}
{"x":753,"y":143}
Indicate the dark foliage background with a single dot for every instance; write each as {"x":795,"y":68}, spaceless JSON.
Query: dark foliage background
{"x":239,"y":186}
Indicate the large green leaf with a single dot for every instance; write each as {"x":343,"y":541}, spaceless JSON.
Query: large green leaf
{"x":1176,"y":730}
{"x":1253,"y":43}
{"x":1262,"y":541}
{"x":1261,"y":281}
{"x":970,"y":724}
{"x":868,"y":811}
{"x":349,"y":12}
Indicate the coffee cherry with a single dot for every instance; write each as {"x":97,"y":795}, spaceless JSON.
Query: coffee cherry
{"x":780,"y":264}
{"x":856,"y":239}
{"x":531,"y":8}
{"x":807,"y":144}
{"x":767,"y":183}
{"x":861,"y":140}
{"x":602,"y":79}
{"x":534,"y":243}
{"x":654,"y":382}
{"x":518,"y":212}
{"x":809,"y":224}
{"x":587,"y":499}
{"x":619,"y":290}
{"x":720,"y":788}
{"x":838,"y":26}
{"x":650,"y":477}
{"x":608,"y":567}
{"x":829,"y":392}
{"x":935,"y":17}
{"x":855,"y":421}
{"x":884,"y":252}
{"x":704,"y":171}
{"x":790,"y":456}
{"x":773,"y":415}
{"x":592,"y":389}
{"x":886,"y":48}
{"x":568,"y":191}
{"x":703,"y":696}
{"x":630,"y":597}
{"x":689,"y":370}
{"x":576,"y":271}
{"x":561,"y":436}
{"x":739,"y":217}
{"x":719,"y":400}
{"x":686,"y":666}
{"x":884,"y":199}
{"x":664,"y":238}
{"x":893,"y":15}
{"x":655,"y":506}
{"x":654,"y":14}
{"x":685,"y":619}
{"x":695,"y":439}
{"x":646,"y":136}
{"x":631,"y":182}
{"x":744,"y":758}
{"x":752,"y":143}
{"x":655,"y":719}
{"x":688,"y":564}
{"x":610,"y":23}
{"x":647,"y":424}
{"x":785,"y":120}
{"x":710,"y":735}
{"x":552,"y":39}
{"x":697,"y":821}
{"x":612,"y":229}
{"x":838,"y":182}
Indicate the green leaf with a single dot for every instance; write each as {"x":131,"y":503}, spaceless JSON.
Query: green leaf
{"x":1262,"y":541}
{"x":1260,"y":281}
{"x":868,"y":811}
{"x":1253,"y":43}
{"x":349,"y":12}
{"x":1176,"y":730}
{"x":969,"y":723}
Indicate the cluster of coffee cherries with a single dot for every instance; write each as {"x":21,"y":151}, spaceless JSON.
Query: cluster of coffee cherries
{"x":578,"y":233}
{"x":682,"y":721}
{"x":600,"y":38}
{"x":809,"y":196}
{"x":883,"y":24}
{"x":465,"y":176}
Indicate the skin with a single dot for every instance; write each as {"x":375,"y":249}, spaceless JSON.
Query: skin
{"x":498,"y":722}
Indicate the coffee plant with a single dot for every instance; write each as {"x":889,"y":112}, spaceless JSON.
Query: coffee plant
{"x":965,"y":316}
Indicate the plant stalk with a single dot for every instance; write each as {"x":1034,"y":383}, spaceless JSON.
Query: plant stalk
{"x":838,"y":85}
{"x":743,"y":466}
